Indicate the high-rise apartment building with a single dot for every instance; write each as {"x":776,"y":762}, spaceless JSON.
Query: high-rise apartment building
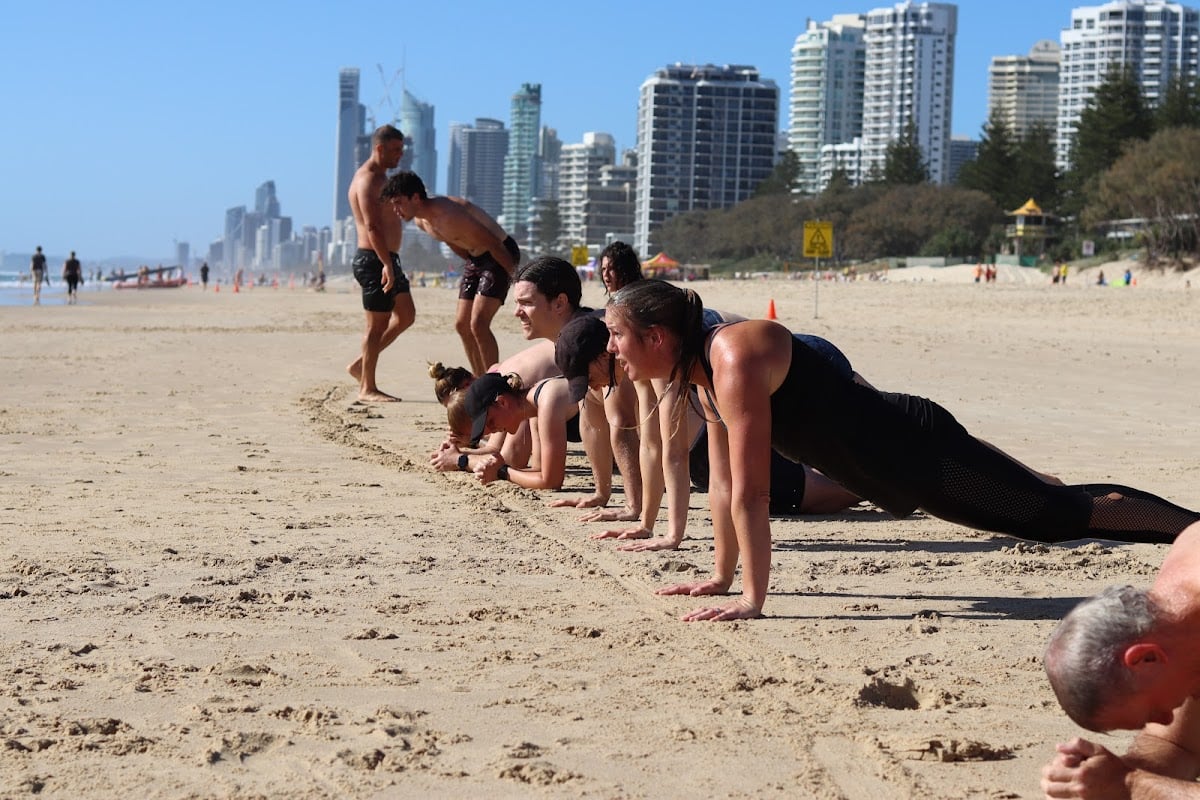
{"x":610,"y":204}
{"x":1023,"y":90}
{"x":909,"y":77}
{"x":265,"y":201}
{"x":845,"y":158}
{"x":578,"y":169}
{"x":454,"y":160}
{"x":549,"y":152}
{"x":420,"y":139}
{"x":705,"y":140}
{"x":1158,"y":41}
{"x":549,"y":157}
{"x":962,"y":150}
{"x":351,"y":120}
{"x":828,"y":62}
{"x":476,"y":169}
{"x":521,"y":164}
{"x":231,"y":250}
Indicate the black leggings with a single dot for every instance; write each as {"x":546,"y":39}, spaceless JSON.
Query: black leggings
{"x":983,"y":488}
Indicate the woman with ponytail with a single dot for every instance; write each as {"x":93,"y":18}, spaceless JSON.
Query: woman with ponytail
{"x":763,"y":387}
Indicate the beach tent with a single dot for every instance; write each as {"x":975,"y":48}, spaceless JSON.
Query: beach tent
{"x":661,"y":261}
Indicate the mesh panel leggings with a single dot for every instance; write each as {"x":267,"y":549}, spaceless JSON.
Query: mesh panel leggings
{"x":985,"y":489}
{"x":1131,"y":515}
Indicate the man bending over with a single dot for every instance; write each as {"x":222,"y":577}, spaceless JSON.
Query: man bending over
{"x":491,"y":255}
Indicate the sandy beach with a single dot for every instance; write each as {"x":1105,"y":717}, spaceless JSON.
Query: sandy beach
{"x":223,"y":578}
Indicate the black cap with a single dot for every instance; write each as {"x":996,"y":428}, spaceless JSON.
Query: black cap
{"x":479,"y":397}
{"x":579,"y":342}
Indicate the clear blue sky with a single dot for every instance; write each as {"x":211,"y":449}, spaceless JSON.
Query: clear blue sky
{"x":130,"y":124}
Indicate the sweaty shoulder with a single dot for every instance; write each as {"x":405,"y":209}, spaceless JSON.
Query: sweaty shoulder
{"x":749,"y":335}
{"x":753,"y":346}
{"x":532,"y":364}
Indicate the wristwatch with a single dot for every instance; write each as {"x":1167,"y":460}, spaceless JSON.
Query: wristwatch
{"x":464,"y":462}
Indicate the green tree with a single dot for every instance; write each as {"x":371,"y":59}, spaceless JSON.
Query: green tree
{"x":551,"y":228}
{"x":784,"y":178}
{"x":1157,"y":182}
{"x":1115,"y":115}
{"x":1179,"y":106}
{"x":904,"y":164}
{"x":903,"y":220}
{"x":1035,"y":171}
{"x":839,"y":183}
{"x":995,"y":164}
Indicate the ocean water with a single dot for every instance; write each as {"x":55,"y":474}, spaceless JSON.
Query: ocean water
{"x":15,"y":292}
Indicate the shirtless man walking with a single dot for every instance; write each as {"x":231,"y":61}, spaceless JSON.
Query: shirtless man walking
{"x":491,"y":255}
{"x":387,"y":301}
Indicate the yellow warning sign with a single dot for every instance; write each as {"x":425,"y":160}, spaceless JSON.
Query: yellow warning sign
{"x":818,"y":239}
{"x":579,"y":255}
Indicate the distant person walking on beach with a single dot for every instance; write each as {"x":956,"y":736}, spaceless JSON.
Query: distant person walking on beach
{"x":387,"y":302}
{"x":204,"y":275}
{"x":37,"y":270}
{"x":491,"y":254}
{"x":73,"y":275}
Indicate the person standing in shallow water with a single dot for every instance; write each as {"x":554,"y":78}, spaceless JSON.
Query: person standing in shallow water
{"x":37,"y":271}
{"x":72,"y":275}
{"x":387,"y":302}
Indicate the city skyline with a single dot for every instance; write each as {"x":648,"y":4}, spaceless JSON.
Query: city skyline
{"x":128,"y":143}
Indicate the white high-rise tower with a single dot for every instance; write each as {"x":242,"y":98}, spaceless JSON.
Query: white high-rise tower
{"x":1157,"y":40}
{"x":909,"y":76}
{"x":827,"y":91}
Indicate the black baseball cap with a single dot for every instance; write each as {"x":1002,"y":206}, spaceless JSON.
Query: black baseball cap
{"x":579,"y":342}
{"x":479,"y":397}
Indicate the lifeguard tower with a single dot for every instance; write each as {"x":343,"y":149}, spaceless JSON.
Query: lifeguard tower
{"x":1029,"y":231}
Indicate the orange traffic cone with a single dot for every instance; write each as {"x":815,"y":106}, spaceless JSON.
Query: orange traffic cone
{"x":771,"y":309}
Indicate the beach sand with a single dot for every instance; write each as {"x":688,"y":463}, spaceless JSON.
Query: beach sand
{"x":223,"y":578}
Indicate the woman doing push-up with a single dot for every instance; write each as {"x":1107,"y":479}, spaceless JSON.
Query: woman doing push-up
{"x":762,"y":387}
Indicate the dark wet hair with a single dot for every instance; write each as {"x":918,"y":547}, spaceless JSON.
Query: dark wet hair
{"x":624,"y":262}
{"x":385,"y":133}
{"x":404,"y":184}
{"x":552,"y":276}
{"x":647,"y":303}
{"x":448,"y":380}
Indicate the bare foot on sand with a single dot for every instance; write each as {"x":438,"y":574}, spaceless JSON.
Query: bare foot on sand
{"x":377,"y":397}
{"x":355,"y":369}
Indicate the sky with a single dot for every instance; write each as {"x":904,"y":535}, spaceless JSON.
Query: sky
{"x":130,"y":125}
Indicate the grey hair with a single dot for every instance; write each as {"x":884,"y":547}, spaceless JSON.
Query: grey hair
{"x":1084,"y":657}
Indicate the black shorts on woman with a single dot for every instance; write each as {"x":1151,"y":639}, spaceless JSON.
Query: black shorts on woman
{"x":368,"y":271}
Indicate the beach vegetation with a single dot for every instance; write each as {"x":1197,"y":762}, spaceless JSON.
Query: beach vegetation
{"x":1115,"y":116}
{"x":784,"y":179}
{"x":870,"y":221}
{"x":1012,"y":169}
{"x":1150,"y":192}
{"x":904,"y":163}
